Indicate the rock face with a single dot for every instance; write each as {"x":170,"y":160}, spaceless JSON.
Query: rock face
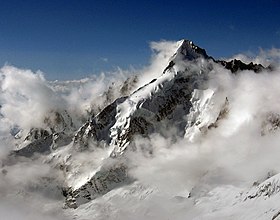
{"x":39,"y":140}
{"x":160,"y":99}
{"x":271,"y":123}
{"x":57,"y":132}
{"x":237,"y":65}
{"x":177,"y":98}
{"x":267,"y":188}
{"x":102,"y":182}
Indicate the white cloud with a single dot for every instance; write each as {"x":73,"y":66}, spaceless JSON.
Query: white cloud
{"x":104,"y":59}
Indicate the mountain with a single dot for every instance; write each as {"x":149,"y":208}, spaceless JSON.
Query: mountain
{"x":164,"y":100}
{"x":182,"y":100}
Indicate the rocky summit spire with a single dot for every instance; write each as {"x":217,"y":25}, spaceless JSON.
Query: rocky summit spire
{"x":189,"y":51}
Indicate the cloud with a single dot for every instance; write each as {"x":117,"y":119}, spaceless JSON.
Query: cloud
{"x":104,"y":59}
{"x":17,"y":210}
{"x":264,"y":57}
{"x":26,"y":97}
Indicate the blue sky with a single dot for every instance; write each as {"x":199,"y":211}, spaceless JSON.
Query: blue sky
{"x":73,"y":39}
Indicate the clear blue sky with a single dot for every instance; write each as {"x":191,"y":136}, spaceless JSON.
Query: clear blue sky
{"x":69,"y":39}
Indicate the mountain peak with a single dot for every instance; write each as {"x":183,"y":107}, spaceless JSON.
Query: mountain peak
{"x":187,"y":50}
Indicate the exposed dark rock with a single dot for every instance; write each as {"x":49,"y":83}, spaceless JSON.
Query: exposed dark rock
{"x":223,"y":113}
{"x":61,"y":139}
{"x":237,"y":65}
{"x":191,"y":51}
{"x":102,"y":182}
{"x":36,"y":134}
{"x":98,"y":127}
{"x":39,"y":145}
{"x":138,"y":126}
{"x":128,"y":85}
{"x":268,"y":188}
{"x":58,"y":132}
{"x":271,"y":123}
